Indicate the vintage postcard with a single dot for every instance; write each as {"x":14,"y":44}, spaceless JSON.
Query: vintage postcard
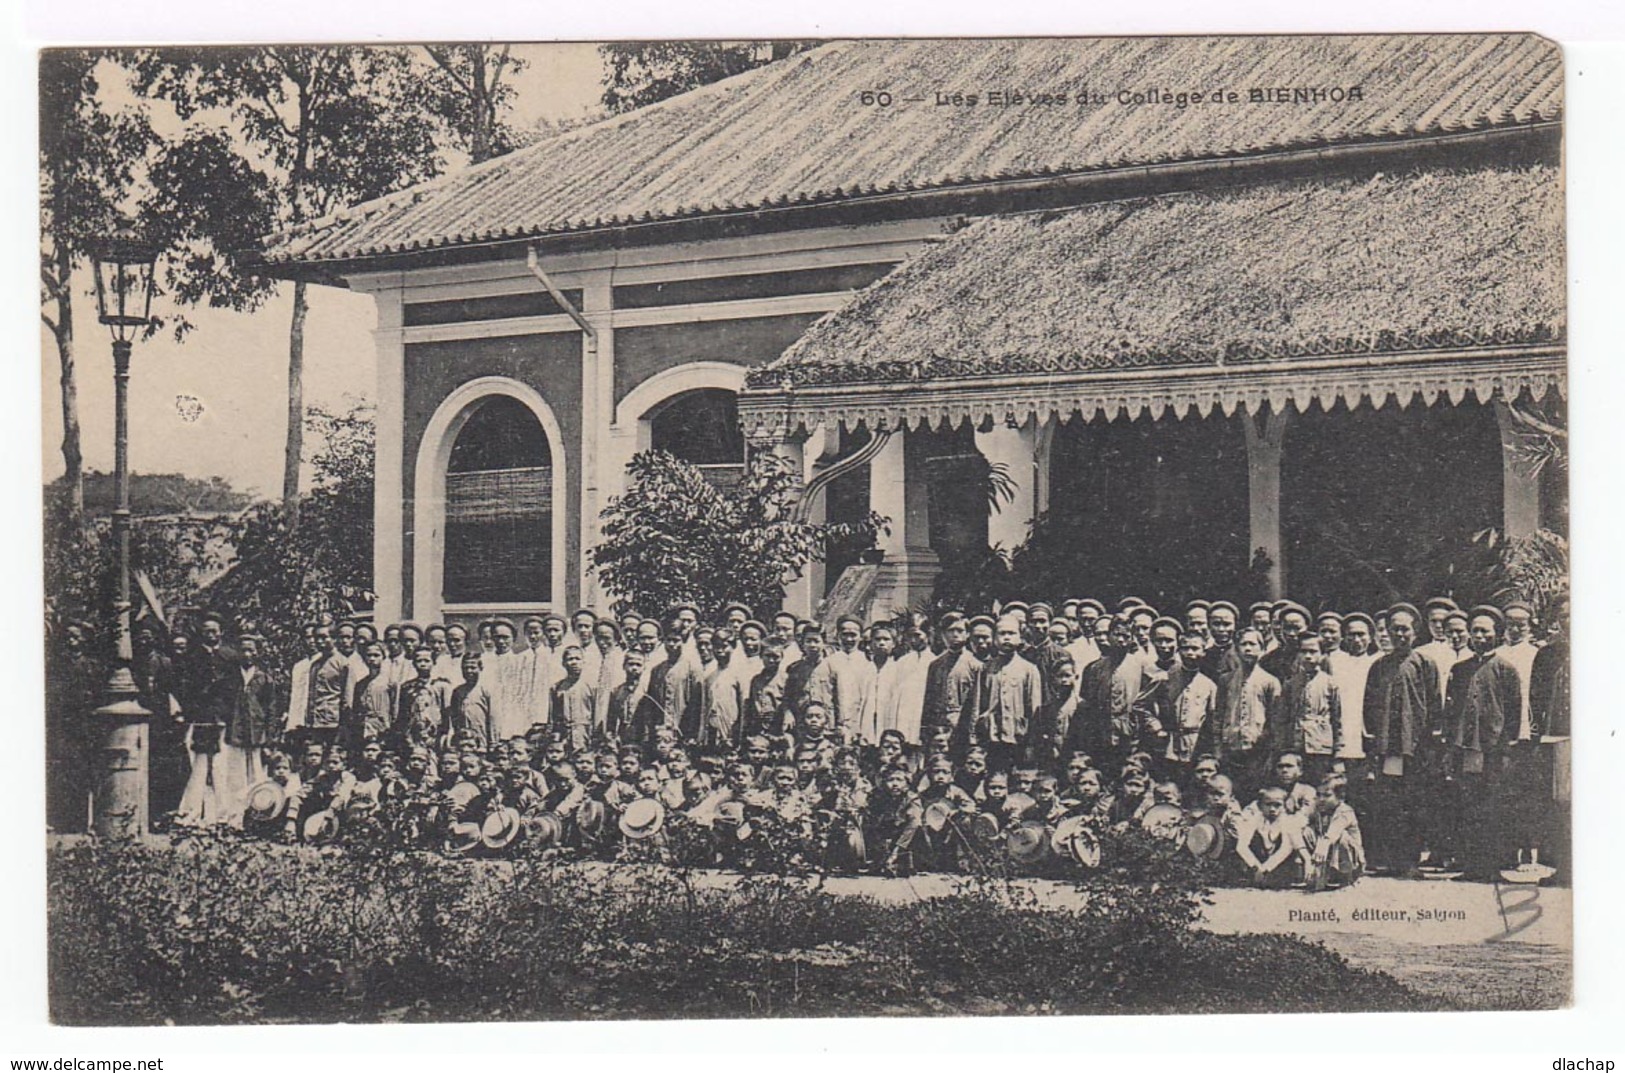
{"x":690,"y":529}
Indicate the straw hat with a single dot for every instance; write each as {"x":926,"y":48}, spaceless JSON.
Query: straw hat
{"x":500,"y":828}
{"x":546,"y":830}
{"x":267,"y":801}
{"x":643,"y":818}
{"x":593,"y":818}
{"x":937,"y":814}
{"x":321,"y":827}
{"x":985,"y":827}
{"x":1073,"y":838}
{"x":1206,"y":839}
{"x":1027,"y":843}
{"x":1016,"y":806}
{"x":462,"y":838}
{"x":1166,"y":821}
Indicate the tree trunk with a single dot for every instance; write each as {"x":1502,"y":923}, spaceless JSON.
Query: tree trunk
{"x":72,"y":455}
{"x":294,"y":453}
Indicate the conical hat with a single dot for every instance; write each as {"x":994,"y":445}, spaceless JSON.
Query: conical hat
{"x":985,"y":827}
{"x":936,"y":815}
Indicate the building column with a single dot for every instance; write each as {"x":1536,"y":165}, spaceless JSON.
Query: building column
{"x":798,"y":591}
{"x":1266,"y":433}
{"x":598,"y":454}
{"x":1520,"y":482}
{"x":899,"y":492}
{"x":1015,"y":447}
{"x":389,"y":484}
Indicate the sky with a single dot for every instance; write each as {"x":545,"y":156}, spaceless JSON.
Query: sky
{"x":236,"y":364}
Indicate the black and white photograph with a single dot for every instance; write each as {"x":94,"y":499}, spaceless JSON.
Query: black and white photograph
{"x":794,"y":528}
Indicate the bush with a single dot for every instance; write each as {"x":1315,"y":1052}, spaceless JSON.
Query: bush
{"x":219,"y":930}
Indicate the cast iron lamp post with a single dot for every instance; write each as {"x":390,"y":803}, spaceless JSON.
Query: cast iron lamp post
{"x":124,"y":266}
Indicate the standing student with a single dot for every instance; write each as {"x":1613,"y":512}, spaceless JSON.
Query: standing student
{"x":1006,"y":699}
{"x":574,"y":704}
{"x":1403,"y":705}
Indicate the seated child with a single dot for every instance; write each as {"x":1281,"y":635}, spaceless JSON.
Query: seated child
{"x":567,"y":787}
{"x":758,"y":753}
{"x":1220,"y":803}
{"x":1084,"y":796}
{"x":788,"y":804}
{"x":1047,"y":801}
{"x":947,"y":844}
{"x":895,"y":818}
{"x":996,"y":796}
{"x":1268,"y":844}
{"x":279,"y":769}
{"x":972,"y":774}
{"x":1288,"y":775}
{"x":1336,"y":851}
{"x":847,"y":792}
{"x":1132,"y":798}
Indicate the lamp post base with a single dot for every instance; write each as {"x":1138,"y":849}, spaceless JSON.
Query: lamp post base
{"x":118,"y":804}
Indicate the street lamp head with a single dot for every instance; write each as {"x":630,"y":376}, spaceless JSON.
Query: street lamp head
{"x":124,"y":263}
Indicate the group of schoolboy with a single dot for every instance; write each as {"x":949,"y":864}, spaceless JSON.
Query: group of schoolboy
{"x":916,"y":744}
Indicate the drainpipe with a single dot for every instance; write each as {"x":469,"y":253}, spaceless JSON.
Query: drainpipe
{"x":589,"y":391}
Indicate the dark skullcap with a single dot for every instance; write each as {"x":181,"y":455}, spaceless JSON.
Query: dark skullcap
{"x":1410,"y":609}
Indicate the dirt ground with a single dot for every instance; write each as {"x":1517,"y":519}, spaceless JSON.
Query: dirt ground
{"x":1477,"y":945}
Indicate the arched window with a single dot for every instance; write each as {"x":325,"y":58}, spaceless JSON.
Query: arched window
{"x":701,"y":427}
{"x":499,"y":504}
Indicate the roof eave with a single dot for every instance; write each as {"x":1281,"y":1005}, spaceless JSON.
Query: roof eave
{"x":1503,"y":144}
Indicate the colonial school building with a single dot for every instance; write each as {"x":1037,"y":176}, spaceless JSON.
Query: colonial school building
{"x":1272,"y":304}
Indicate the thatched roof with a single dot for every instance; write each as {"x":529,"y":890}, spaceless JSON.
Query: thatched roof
{"x":795,"y":133}
{"x":1271,"y":274}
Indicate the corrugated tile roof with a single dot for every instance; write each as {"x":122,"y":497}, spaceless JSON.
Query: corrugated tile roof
{"x":1241,"y":278}
{"x":795,"y":132}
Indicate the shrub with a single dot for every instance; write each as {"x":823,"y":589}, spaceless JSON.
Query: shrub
{"x":217,"y":930}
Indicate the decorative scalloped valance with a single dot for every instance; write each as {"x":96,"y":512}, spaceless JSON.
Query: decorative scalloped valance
{"x":1178,"y":392}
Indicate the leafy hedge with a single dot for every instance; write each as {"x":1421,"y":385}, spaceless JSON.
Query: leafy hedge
{"x":218,"y":930}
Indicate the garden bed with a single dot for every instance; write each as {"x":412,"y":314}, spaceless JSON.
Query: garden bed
{"x":217,"y":930}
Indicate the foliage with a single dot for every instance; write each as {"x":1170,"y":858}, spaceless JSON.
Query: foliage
{"x":676,"y":536}
{"x":81,"y":567}
{"x":643,"y":72}
{"x":468,"y":88}
{"x":276,"y":136}
{"x":285,"y":577}
{"x":159,"y":493}
{"x":87,"y":158}
{"x":1498,"y":569}
{"x":972,"y":583}
{"x":218,"y":930}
